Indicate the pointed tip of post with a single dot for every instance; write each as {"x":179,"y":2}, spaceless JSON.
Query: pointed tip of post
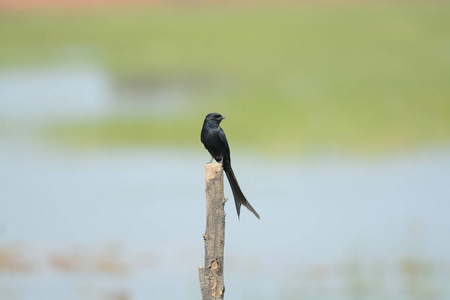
{"x":212,"y":164}
{"x":212,"y":170}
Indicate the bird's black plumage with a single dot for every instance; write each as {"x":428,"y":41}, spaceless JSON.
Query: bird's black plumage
{"x":216,"y":143}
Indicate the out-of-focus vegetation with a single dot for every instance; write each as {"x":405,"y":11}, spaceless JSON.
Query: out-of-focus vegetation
{"x":352,"y":76}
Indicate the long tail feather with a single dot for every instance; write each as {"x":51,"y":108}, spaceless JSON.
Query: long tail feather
{"x":239,"y":197}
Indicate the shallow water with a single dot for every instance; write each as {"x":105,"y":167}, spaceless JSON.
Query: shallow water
{"x":128,"y":224}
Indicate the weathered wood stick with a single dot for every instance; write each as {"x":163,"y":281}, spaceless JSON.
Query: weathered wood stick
{"x":211,"y":275}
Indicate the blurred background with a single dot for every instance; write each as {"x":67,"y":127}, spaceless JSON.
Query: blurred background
{"x":338,"y":117}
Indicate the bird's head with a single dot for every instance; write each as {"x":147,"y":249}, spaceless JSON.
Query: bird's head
{"x":214,"y":118}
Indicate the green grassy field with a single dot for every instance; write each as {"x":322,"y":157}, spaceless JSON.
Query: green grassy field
{"x":364,"y":77}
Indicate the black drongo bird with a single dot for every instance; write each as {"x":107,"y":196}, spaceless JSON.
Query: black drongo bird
{"x":216,"y":143}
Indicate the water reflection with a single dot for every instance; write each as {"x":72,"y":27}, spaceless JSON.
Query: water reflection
{"x":57,"y":91}
{"x":77,"y":91}
{"x":132,"y":221}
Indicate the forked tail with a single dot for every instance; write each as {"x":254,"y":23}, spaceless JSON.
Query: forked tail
{"x":239,"y":197}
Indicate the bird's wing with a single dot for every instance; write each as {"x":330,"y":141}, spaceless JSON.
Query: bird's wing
{"x":223,"y":139}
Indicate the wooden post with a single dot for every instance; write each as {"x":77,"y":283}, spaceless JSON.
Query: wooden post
{"x":211,"y":275}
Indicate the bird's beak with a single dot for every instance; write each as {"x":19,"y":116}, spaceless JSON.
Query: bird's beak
{"x":222,"y":118}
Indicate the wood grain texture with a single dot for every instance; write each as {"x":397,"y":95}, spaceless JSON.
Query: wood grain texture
{"x":211,"y":274}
